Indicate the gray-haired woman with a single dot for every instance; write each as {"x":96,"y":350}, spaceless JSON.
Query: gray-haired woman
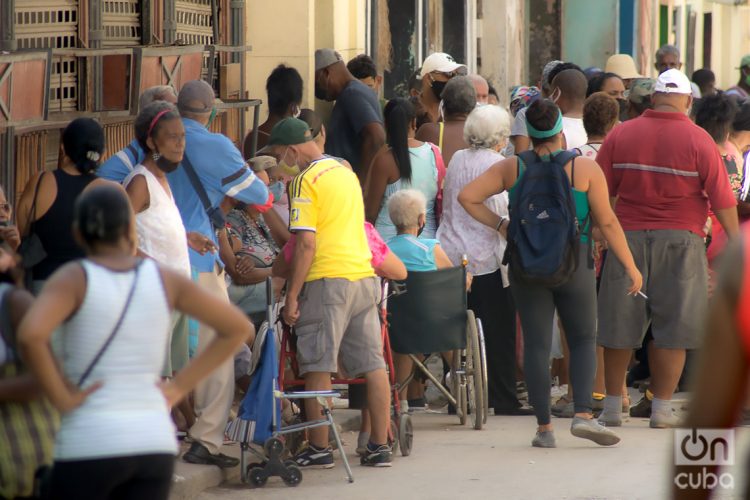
{"x":486,"y":131}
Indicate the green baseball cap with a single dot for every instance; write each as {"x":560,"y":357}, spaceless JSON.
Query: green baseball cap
{"x":641,"y":89}
{"x":745,"y":62}
{"x":290,"y":131}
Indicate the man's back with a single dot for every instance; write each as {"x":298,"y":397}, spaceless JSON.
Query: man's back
{"x":326,"y":199}
{"x":662,"y":167}
{"x":222,"y":172}
{"x":356,"y":107}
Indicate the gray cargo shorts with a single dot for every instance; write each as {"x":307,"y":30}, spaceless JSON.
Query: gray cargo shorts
{"x":675,"y":279}
{"x":338,"y":314}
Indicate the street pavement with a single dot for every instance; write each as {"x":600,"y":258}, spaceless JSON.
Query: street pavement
{"x":453,"y":462}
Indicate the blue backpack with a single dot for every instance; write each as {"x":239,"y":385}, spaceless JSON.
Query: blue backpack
{"x":544,"y":235}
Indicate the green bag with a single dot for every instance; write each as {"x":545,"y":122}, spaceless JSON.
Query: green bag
{"x":27,"y":429}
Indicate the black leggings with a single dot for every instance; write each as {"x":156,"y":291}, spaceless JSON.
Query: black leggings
{"x":141,"y":477}
{"x":575,"y":302}
{"x":493,"y":305}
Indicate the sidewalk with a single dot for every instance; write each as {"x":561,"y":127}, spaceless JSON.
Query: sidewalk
{"x":191,"y":480}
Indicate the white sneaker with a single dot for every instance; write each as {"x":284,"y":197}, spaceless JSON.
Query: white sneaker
{"x":661,"y":420}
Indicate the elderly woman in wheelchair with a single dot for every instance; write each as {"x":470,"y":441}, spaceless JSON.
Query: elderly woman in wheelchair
{"x":431,"y":315}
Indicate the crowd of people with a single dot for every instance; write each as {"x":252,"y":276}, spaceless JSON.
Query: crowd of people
{"x":133,"y":286}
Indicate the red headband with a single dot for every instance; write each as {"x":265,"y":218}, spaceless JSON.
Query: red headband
{"x":155,"y":120}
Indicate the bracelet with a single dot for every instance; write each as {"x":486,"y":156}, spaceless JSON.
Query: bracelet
{"x":500,"y":224}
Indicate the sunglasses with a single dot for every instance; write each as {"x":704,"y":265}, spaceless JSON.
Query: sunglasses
{"x":5,"y":207}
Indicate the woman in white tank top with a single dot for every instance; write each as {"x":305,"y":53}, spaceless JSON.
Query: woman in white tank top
{"x":113,"y":314}
{"x":161,"y":233}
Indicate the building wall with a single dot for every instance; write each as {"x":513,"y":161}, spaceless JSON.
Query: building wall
{"x":589,"y":31}
{"x":730,"y":38}
{"x":503,"y":45}
{"x":289,"y":31}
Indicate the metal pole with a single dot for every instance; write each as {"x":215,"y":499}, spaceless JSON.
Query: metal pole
{"x":7,"y":26}
{"x":170,"y":21}
{"x":373,"y":41}
{"x":96,"y":34}
{"x":7,"y":156}
{"x":256,"y":120}
{"x":215,"y":21}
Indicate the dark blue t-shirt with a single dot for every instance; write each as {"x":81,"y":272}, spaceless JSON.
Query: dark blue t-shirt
{"x":356,"y":107}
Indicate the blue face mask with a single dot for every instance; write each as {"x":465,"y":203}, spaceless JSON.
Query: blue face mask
{"x":277,"y":189}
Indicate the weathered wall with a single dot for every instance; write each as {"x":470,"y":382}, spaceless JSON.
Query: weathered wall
{"x":544,"y":36}
{"x":503,"y":45}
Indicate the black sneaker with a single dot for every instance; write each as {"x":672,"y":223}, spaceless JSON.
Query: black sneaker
{"x":642,"y":409}
{"x":376,"y":456}
{"x":199,"y":454}
{"x":315,"y":458}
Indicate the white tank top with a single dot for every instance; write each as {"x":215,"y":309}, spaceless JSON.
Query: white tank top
{"x":128,"y":415}
{"x":161,"y":234}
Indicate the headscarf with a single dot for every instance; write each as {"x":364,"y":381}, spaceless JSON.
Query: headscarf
{"x":521,"y":97}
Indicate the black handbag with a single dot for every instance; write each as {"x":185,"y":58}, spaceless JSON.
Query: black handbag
{"x":31,"y":250}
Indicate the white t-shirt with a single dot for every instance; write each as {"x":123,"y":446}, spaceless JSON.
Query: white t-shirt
{"x":518,"y":127}
{"x":575,"y":134}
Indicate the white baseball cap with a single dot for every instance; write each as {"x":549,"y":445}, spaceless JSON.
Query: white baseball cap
{"x":673,"y":81}
{"x":440,"y":62}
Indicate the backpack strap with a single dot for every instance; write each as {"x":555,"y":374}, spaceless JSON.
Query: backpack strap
{"x":527,"y":157}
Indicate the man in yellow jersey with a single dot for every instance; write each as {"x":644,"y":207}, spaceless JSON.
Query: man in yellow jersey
{"x":332,"y":293}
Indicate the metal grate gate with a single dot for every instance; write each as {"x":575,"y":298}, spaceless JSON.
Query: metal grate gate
{"x":122,"y":23}
{"x":194,"y":22}
{"x":52,"y":24}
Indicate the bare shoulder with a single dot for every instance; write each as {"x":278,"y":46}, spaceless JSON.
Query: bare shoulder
{"x":427,"y":132}
{"x":138,"y":180}
{"x":69,"y":281}
{"x":586,"y":165}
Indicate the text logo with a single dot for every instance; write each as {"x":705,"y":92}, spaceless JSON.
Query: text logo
{"x":704,"y":447}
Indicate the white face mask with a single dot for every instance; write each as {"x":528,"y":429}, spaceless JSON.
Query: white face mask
{"x":440,"y":111}
{"x":297,"y":111}
{"x":554,"y":98}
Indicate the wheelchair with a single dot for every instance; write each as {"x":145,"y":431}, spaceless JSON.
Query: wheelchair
{"x":428,"y":314}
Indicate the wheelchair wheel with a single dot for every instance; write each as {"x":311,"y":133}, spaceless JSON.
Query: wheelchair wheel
{"x":474,"y":372}
{"x":405,"y":434}
{"x":393,"y":436}
{"x":483,"y":364}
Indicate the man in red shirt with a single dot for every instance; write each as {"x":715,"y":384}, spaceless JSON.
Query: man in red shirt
{"x":662,"y":171}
